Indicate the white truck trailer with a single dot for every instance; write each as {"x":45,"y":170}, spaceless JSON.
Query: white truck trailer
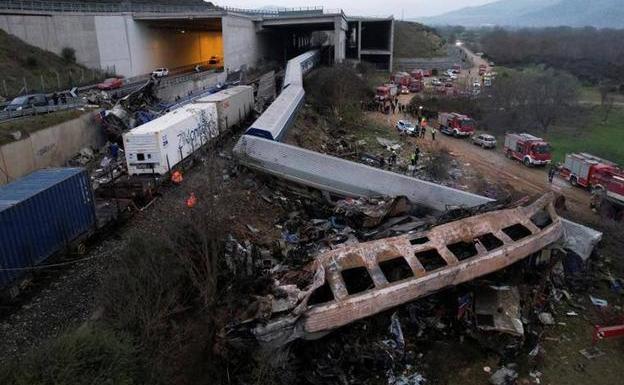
{"x":158,"y":146}
{"x":233,"y":105}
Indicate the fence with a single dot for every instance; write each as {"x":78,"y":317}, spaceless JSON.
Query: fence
{"x":51,"y":81}
{"x":29,"y":111}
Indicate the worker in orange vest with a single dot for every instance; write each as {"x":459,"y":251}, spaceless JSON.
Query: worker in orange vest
{"x":191,"y":201}
{"x":176,"y":177}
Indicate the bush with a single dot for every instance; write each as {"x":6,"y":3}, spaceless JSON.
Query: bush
{"x":86,"y":356}
{"x":337,"y":92}
{"x":31,"y":61}
{"x":69,"y":55}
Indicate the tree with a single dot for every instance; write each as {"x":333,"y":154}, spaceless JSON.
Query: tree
{"x":539,"y":97}
{"x":69,"y":55}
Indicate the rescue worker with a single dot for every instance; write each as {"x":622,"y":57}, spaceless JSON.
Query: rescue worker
{"x":415,"y":156}
{"x":191,"y":201}
{"x":433,"y":133}
{"x":176,"y":177}
{"x":393,"y":158}
{"x":551,"y":173}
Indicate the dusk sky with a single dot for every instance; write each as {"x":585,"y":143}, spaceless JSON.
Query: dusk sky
{"x":409,"y":8}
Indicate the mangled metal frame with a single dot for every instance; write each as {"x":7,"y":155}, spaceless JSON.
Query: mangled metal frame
{"x":309,"y":320}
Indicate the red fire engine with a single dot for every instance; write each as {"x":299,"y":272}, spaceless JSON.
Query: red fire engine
{"x":529,"y":149}
{"x":456,"y":124}
{"x":587,"y":170}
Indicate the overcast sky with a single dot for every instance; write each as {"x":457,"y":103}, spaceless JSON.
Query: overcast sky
{"x":409,"y":8}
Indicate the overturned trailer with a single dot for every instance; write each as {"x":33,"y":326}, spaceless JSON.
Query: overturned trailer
{"x":361,"y":280}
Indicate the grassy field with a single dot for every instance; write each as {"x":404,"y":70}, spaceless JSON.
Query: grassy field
{"x":604,"y":140}
{"x":416,"y":40}
{"x":35,"y":123}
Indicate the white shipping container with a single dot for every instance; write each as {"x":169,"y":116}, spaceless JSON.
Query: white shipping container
{"x":157,"y":146}
{"x":233,"y":105}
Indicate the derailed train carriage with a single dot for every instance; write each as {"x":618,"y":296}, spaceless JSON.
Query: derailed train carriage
{"x":276,"y":120}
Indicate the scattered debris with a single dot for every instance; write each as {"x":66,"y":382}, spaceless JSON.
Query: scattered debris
{"x":504,"y":376}
{"x":592,"y":353}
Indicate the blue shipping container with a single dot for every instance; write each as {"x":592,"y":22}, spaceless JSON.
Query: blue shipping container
{"x":39,"y":215}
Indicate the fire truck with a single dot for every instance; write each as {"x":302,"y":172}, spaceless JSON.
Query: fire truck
{"x":608,"y":198}
{"x":401,"y":78}
{"x":417,"y":74}
{"x":529,"y":149}
{"x":386,"y":92}
{"x":456,"y":124}
{"x":587,"y":170}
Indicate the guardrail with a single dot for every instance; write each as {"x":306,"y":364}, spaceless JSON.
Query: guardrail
{"x":71,"y":103}
{"x":94,"y":7}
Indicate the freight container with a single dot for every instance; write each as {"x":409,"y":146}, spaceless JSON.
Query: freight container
{"x":159,"y":145}
{"x":40,"y":214}
{"x":233,"y":105}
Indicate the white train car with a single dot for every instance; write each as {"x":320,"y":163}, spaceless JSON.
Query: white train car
{"x":279,"y":116}
{"x":159,"y":145}
{"x":276,"y":120}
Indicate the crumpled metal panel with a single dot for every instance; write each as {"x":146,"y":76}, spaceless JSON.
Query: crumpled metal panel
{"x":308,"y":319}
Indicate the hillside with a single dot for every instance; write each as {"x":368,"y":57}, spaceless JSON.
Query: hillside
{"x":537,"y":13}
{"x":19,"y":61}
{"x":416,"y":40}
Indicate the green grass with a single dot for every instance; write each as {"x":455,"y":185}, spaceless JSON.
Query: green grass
{"x":35,"y":123}
{"x":604,"y":140}
{"x":416,"y":40}
{"x":87,"y":355}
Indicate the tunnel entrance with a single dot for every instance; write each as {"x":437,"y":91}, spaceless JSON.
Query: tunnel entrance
{"x":178,"y":44}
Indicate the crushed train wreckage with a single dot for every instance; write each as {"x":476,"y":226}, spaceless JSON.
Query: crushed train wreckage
{"x":359,"y":280}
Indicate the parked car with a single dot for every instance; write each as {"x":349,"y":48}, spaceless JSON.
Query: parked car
{"x":404,"y":90}
{"x":484,"y":140}
{"x":436,"y":82}
{"x":214,"y":60}
{"x":27,"y":101}
{"x":160,"y":72}
{"x":406,"y":127}
{"x":110,"y":84}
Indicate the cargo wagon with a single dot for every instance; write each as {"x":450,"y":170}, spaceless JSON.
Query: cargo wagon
{"x":41,"y":214}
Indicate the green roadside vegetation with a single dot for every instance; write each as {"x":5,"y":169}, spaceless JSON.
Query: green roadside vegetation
{"x":417,"y":40}
{"x":601,"y":139}
{"x":27,"y":126}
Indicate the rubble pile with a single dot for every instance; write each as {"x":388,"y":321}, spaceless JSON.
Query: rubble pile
{"x":295,"y":312}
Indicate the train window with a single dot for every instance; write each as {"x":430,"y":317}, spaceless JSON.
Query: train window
{"x":140,"y":156}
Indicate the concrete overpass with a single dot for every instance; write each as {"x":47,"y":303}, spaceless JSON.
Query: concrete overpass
{"x":133,"y":40}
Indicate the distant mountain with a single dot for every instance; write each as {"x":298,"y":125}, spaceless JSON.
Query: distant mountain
{"x":537,"y":13}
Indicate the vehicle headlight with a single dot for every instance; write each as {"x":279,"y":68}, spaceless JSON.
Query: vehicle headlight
{"x":18,"y":109}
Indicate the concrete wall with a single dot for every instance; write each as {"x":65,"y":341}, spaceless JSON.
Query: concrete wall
{"x":241,"y":44}
{"x":55,"y":32}
{"x":50,"y":147}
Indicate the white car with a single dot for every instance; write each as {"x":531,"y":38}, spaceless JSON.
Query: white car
{"x":406,"y":127}
{"x":160,"y":72}
{"x":436,"y":82}
{"x":484,"y":140}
